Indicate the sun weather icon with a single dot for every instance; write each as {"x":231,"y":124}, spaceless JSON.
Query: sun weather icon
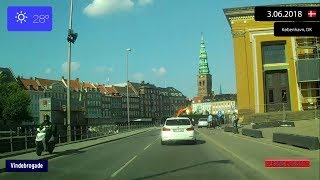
{"x":21,"y":17}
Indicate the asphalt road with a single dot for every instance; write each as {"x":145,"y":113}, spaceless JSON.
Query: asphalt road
{"x":142,"y":157}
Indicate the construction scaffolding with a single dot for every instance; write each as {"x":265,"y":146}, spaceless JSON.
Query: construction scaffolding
{"x":307,"y":59}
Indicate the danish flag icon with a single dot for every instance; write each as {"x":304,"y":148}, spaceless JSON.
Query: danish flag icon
{"x":312,"y":13}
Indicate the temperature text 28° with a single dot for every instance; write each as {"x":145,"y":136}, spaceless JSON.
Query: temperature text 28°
{"x":40,"y":18}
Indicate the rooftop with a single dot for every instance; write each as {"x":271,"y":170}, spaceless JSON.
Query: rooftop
{"x":27,"y":82}
{"x":47,"y":82}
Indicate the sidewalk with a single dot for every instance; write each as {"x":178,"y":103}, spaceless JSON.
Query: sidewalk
{"x":253,"y":152}
{"x":303,"y":127}
{"x":73,"y":148}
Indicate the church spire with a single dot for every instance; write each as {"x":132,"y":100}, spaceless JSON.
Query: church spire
{"x":203,"y":59}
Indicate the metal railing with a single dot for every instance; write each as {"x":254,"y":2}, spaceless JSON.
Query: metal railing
{"x":23,"y":138}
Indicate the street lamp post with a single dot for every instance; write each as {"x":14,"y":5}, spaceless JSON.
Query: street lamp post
{"x":127,"y":53}
{"x":71,"y":39}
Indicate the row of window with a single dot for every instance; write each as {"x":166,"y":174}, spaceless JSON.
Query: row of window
{"x":223,"y":104}
{"x":95,"y":95}
{"x":132,"y":113}
{"x":136,"y":106}
{"x":106,"y":105}
{"x":151,"y":96}
{"x":151,"y":91}
{"x":108,"y":99}
{"x":276,"y":52}
{"x":130,"y":99}
{"x":94,"y":103}
{"x":93,"y":111}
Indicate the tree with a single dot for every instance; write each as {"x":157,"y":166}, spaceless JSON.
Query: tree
{"x":14,"y":103}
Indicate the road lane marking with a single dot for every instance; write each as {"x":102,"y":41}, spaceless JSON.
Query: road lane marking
{"x":126,"y":164}
{"x":147,"y":147}
{"x":235,"y":155}
{"x":151,"y":144}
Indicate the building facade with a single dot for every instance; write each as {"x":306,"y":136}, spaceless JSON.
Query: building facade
{"x":35,"y":92}
{"x":93,"y":104}
{"x":105,"y":103}
{"x":213,"y":107}
{"x":272,"y":73}
{"x":134,"y":102}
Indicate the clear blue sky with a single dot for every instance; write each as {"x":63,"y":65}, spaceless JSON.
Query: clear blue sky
{"x":163,"y":34}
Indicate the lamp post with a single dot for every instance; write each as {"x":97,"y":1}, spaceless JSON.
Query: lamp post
{"x":127,"y":53}
{"x":71,"y":39}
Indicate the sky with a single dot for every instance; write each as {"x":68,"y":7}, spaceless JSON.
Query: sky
{"x":164,"y":36}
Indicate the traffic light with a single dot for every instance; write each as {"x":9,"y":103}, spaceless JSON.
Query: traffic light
{"x":72,"y":36}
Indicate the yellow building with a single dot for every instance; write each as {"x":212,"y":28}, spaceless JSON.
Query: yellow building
{"x":273,"y":73}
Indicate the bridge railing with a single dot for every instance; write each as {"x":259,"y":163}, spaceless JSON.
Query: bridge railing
{"x":23,"y":138}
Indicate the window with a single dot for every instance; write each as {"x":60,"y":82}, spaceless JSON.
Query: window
{"x":269,"y":80}
{"x":273,"y":53}
{"x":271,"y":100}
{"x":283,"y":79}
{"x":284,"y":95}
{"x":176,"y":122}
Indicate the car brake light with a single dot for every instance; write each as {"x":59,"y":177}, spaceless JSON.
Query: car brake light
{"x":165,"y":129}
{"x":190,"y":129}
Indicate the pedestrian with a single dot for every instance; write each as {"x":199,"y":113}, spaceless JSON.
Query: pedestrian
{"x":235,"y":119}
{"x":218,"y":121}
{"x":210,"y":119}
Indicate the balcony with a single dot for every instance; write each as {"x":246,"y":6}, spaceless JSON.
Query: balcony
{"x":308,"y":70}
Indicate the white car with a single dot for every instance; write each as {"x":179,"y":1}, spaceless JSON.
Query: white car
{"x":202,"y":122}
{"x":178,"y":129}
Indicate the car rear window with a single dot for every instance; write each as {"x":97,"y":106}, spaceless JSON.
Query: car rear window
{"x":177,"y":122}
{"x":202,"y":119}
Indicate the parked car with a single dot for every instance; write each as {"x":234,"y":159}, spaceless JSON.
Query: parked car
{"x":178,"y":129}
{"x":202,"y":122}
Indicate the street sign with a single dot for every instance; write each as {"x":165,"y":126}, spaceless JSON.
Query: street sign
{"x":219,"y":114}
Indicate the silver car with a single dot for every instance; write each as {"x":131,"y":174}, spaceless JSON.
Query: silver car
{"x":202,"y":122}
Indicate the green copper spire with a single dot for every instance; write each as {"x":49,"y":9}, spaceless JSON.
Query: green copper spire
{"x":203,"y":59}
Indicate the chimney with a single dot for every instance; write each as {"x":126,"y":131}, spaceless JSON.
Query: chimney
{"x":63,"y":77}
{"x":31,"y":78}
{"x":77,"y":79}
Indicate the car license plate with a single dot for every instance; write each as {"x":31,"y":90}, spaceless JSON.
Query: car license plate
{"x":178,"y":130}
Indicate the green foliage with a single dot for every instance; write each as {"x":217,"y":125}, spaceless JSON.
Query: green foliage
{"x":14,"y":103}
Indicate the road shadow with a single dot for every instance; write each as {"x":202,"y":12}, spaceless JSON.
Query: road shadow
{"x":151,"y":135}
{"x":184,"y":168}
{"x":63,"y":153}
{"x":179,"y":143}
